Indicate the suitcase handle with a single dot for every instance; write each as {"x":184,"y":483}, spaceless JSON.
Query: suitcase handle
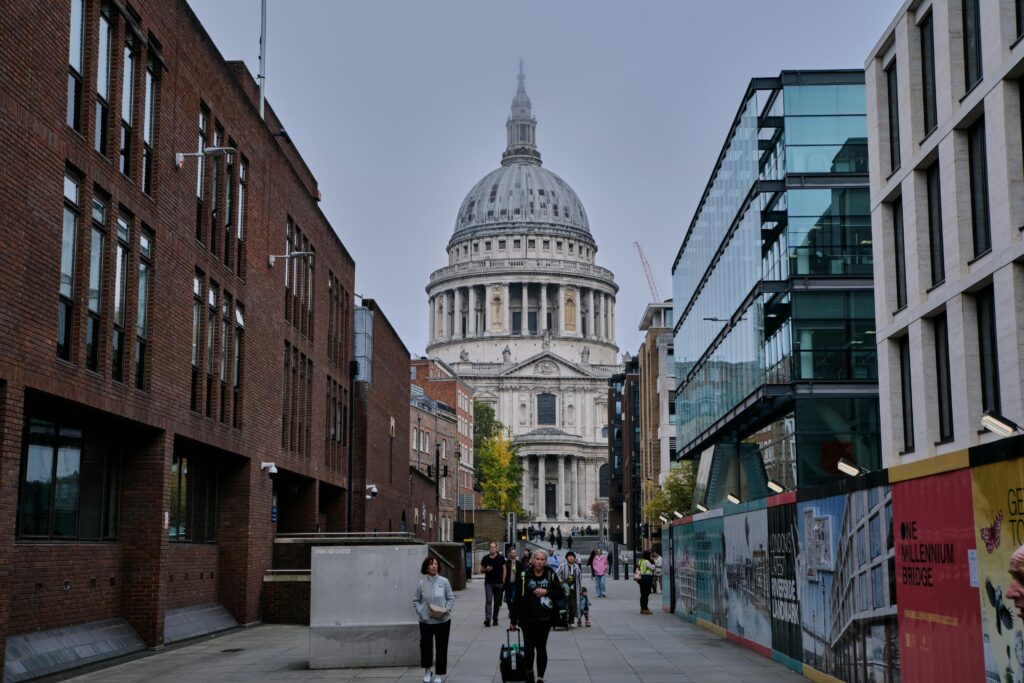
{"x":519,"y":637}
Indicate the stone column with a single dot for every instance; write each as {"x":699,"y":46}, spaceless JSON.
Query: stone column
{"x":590,"y":314}
{"x":506,"y":293}
{"x":543,"y":322}
{"x":560,"y":498}
{"x":611,"y":319}
{"x":560,"y":298}
{"x":577,"y":477}
{"x":579,"y":311}
{"x":605,"y":317}
{"x":600,"y":316}
{"x":446,"y":332}
{"x":473,"y":329}
{"x":457,"y":318}
{"x":541,"y":500}
{"x":524,"y":325}
{"x":432,"y":317}
{"x":574,"y":489}
{"x":526,"y":482}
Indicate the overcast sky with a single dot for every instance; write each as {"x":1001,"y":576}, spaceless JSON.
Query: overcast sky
{"x":399,"y":108}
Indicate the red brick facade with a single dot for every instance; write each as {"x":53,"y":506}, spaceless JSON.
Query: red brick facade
{"x":137,"y":573}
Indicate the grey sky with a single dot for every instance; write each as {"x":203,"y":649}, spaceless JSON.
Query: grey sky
{"x":399,"y":108}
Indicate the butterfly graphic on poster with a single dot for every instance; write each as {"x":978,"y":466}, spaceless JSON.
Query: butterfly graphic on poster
{"x":991,"y":534}
{"x":1004,"y":618}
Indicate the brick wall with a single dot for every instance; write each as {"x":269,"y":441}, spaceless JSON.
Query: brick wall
{"x":37,"y":145}
{"x":192,"y":574}
{"x":42,"y":599}
{"x":286,"y":602}
{"x":383,"y":458}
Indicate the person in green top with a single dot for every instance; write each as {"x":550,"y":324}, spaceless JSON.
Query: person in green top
{"x":645,"y":567}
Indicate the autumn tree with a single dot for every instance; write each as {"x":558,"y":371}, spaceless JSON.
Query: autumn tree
{"x":500,"y":473}
{"x":676,"y":493}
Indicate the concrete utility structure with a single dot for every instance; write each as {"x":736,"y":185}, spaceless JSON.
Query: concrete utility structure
{"x":523,"y":313}
{"x":944,"y":95}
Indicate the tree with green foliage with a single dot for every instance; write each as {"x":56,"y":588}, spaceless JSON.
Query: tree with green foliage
{"x":501,"y":474}
{"x":676,"y":493}
{"x":485,"y":424}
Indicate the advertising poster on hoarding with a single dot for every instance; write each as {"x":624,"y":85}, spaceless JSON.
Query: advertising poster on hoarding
{"x":783,"y":540}
{"x":685,"y":561}
{"x":998,"y":530}
{"x":709,"y":549}
{"x":746,"y":576}
{"x":847,"y":604}
{"x":939,"y":619}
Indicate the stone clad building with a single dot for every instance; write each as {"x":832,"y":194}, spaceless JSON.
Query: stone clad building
{"x":523,"y":314}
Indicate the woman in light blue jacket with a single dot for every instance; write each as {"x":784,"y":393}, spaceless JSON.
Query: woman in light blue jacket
{"x":433,"y":602}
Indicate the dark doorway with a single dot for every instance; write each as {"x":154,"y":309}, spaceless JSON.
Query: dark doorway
{"x":549,"y":499}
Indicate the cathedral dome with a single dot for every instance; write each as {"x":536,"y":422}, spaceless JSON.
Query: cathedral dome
{"x":521,"y":192}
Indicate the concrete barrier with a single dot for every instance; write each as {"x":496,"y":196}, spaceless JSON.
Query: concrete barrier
{"x":361,"y":612}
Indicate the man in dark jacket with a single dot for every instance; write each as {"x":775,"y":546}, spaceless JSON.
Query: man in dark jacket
{"x":536,"y":604}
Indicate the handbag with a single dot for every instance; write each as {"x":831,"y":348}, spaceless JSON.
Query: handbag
{"x":436,"y":612}
{"x":637,"y":575}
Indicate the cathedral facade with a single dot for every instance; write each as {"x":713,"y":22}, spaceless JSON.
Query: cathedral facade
{"x":524,"y":314}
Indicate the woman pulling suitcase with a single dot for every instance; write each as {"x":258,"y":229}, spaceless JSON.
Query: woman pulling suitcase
{"x":537,"y":590}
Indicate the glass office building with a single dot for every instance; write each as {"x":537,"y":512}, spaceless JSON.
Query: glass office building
{"x":772,"y":291}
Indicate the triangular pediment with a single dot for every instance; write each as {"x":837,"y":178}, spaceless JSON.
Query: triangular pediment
{"x":547,"y":364}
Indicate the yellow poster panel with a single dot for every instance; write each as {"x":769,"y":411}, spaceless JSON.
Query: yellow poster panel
{"x":999,"y":529}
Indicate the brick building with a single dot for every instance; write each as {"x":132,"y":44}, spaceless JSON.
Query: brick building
{"x":433,"y":430}
{"x":380,"y":485}
{"x":155,"y":357}
{"x":440,"y":382}
{"x":656,"y":409}
{"x":624,"y":455}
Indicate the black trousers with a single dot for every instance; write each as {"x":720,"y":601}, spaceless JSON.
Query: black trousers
{"x":535,"y":641}
{"x":645,"y":591}
{"x":434,"y":639}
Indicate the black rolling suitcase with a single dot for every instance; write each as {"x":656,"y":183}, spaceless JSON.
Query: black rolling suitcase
{"x":512,"y":662}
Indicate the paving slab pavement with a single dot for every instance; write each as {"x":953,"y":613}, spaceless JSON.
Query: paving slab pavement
{"x":622,"y":646}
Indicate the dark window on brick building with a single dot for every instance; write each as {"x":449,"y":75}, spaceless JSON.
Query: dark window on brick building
{"x":204,"y":122}
{"x":117,"y":347}
{"x":193,"y":513}
{"x":225,"y":338}
{"x":127,"y":104}
{"x":93,"y":323}
{"x":216,"y":186}
{"x":545,"y":409}
{"x":142,"y":305}
{"x":68,"y":485}
{"x":211,"y":349}
{"x":236,"y":372}
{"x":197,"y":322}
{"x":149,"y":125}
{"x":69,"y":237}
{"x":75,"y":59}
{"x":103,"y":60}
{"x":243,"y":176}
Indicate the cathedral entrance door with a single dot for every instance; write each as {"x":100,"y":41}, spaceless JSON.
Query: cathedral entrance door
{"x":549,"y":500}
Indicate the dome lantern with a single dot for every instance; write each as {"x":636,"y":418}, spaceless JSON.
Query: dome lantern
{"x":522,"y":128}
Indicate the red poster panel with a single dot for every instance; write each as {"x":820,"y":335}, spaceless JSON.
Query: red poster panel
{"x":939,"y":614}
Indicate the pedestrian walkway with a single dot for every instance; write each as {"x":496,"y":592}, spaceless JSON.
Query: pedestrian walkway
{"x":622,"y":646}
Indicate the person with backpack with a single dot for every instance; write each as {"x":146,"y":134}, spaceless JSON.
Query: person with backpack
{"x":644,"y":575}
{"x":433,"y":602}
{"x":537,"y":595}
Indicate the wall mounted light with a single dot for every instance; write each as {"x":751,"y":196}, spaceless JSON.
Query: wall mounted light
{"x":776,"y":486}
{"x":702,"y":508}
{"x":228,"y":152}
{"x":850,"y":468}
{"x":663,"y":518}
{"x":997,"y":424}
{"x":678,"y":514}
{"x":733,"y":498}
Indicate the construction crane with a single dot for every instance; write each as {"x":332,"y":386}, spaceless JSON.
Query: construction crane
{"x":647,"y":271}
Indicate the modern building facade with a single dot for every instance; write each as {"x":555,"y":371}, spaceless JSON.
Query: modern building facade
{"x":523,"y":314}
{"x":657,"y":407}
{"x":440,"y":383}
{"x":625,"y":491}
{"x":155,"y":360}
{"x":944,"y":95}
{"x":773,"y":302}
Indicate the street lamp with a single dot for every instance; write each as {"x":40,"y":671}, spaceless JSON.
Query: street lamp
{"x":776,"y":486}
{"x":997,"y":424}
{"x":292,"y":254}
{"x":228,"y":152}
{"x":850,"y":468}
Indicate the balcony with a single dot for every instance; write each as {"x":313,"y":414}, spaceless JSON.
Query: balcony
{"x":544,"y":266}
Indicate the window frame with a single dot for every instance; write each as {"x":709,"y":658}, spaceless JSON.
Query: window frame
{"x":973,"y":67}
{"x":893,"y":107}
{"x":943,"y":387}
{"x":929,"y":108}
{"x":988,"y":349}
{"x":906,"y":393}
{"x":936,"y":241}
{"x":981,"y":225}
{"x":899,"y":252}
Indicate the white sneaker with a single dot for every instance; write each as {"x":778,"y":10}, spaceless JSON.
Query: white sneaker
{"x":428,"y":676}
{"x":438,"y":679}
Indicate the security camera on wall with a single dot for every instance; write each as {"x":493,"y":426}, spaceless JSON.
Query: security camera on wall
{"x":269,"y":467}
{"x":371,"y":491}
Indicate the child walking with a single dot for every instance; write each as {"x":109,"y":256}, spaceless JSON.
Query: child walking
{"x":584,"y":606}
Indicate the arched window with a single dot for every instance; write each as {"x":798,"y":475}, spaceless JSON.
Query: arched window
{"x":546,"y":409}
{"x":602,"y":489}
